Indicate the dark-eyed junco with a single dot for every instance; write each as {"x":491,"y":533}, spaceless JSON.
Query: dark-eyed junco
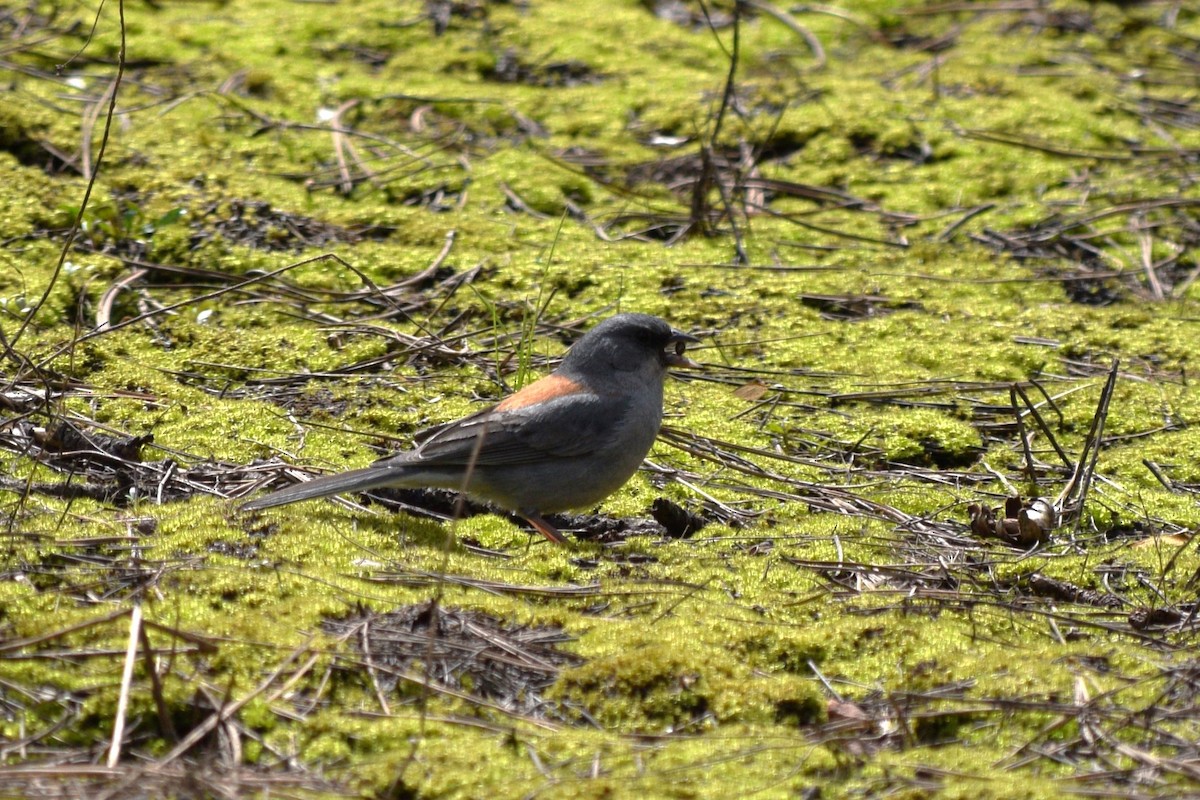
{"x":566,"y":441}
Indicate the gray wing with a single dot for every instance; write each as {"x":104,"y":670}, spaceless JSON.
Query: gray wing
{"x":567,"y":427}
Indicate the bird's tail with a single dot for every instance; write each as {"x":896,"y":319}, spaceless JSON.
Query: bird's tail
{"x":358,"y":480}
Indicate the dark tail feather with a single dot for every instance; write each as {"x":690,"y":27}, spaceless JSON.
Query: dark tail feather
{"x":358,"y":480}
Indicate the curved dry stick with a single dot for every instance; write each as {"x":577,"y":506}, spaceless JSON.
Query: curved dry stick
{"x":89,"y":124}
{"x":814,"y":44}
{"x":104,"y":311}
{"x":1075,"y":493}
{"x":339,"y":146}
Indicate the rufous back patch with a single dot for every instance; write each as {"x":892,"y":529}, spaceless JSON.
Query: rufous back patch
{"x":539,"y":391}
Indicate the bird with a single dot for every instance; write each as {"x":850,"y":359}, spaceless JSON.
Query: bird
{"x":565,"y":441}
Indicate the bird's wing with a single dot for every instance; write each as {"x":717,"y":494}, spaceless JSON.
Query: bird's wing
{"x":560,"y":427}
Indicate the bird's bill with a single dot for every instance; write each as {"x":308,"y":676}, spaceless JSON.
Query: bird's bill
{"x":676,"y":346}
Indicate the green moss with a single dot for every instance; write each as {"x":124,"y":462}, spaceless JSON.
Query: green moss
{"x":708,"y":662}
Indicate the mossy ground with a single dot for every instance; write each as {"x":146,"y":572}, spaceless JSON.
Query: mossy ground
{"x":255,"y":137}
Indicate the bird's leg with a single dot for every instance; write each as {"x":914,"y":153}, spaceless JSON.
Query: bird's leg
{"x":543,"y":527}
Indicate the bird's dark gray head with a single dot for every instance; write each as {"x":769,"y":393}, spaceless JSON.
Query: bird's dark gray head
{"x":629,"y":342}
